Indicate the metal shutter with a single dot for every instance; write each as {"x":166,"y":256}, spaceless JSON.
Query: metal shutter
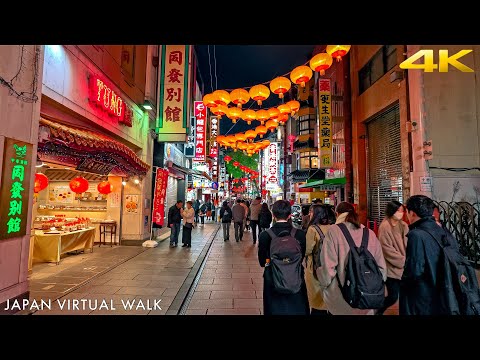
{"x":171,"y":197}
{"x":384,"y":162}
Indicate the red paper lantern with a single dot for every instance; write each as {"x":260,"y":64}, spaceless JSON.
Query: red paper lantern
{"x":105,"y":188}
{"x":41,"y":182}
{"x":79,"y":185}
{"x":227,"y":158}
{"x":236,"y":163}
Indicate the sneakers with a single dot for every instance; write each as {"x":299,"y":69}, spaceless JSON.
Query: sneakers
{"x":184,"y":245}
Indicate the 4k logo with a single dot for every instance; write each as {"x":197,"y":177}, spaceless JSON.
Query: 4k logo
{"x":443,"y":61}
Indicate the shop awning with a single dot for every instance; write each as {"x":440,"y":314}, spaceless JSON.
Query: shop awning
{"x":320,"y":183}
{"x":306,"y":174}
{"x":192,"y":171}
{"x":87,"y":150}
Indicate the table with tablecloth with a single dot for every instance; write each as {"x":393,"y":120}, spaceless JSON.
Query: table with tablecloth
{"x":49,"y":247}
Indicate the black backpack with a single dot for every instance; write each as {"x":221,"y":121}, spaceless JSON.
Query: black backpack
{"x":317,"y":249}
{"x":364,"y":287}
{"x":456,"y":280}
{"x":286,"y":261}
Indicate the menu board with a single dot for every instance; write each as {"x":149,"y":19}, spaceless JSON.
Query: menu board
{"x":131,"y":204}
{"x":61,"y":194}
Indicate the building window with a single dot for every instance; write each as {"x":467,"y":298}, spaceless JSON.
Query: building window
{"x":306,"y":124}
{"x":383,"y":61}
{"x":307,"y":160}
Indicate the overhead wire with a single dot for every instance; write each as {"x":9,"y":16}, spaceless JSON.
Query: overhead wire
{"x":215,"y":59}
{"x":210,"y":66}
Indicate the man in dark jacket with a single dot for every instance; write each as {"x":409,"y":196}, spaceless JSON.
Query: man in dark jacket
{"x":419,"y":294}
{"x":174,"y":220}
{"x":275,"y":303}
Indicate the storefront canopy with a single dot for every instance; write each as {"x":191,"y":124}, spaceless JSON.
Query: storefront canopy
{"x":87,"y":150}
{"x":192,"y":171}
{"x":306,"y":174}
{"x":322,"y":183}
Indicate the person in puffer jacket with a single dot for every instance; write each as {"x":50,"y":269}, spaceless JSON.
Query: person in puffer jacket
{"x":255,"y":209}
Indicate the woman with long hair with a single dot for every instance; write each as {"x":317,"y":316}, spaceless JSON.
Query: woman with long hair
{"x":265,"y":218}
{"x":334,"y":255}
{"x":316,"y":230}
{"x":392,"y":234}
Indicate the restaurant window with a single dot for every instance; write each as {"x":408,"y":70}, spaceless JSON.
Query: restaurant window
{"x":383,"y":61}
{"x":306,"y":124}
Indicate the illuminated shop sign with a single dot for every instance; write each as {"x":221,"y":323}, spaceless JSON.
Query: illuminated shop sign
{"x":272,"y":169}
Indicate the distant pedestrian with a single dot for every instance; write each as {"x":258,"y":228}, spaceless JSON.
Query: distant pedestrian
{"x":239,"y":215}
{"x":274,"y":301}
{"x":196,"y":207}
{"x":202,"y":213}
{"x":436,"y":215}
{"x":392,"y":234}
{"x":255,"y":209}
{"x":188,"y":222}
{"x":226,"y":217}
{"x":305,"y":217}
{"x":174,"y":220}
{"x":264,"y":218}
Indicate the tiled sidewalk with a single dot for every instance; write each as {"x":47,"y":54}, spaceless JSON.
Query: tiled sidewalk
{"x":155,"y":274}
{"x":231,"y":282}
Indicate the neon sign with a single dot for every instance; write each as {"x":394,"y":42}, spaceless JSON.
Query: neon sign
{"x":106,"y":98}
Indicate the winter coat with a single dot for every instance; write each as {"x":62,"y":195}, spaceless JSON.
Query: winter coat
{"x":239,"y":213}
{"x":418,"y":293}
{"x":255,"y":209}
{"x":174,"y":215}
{"x":189,"y":215}
{"x":394,"y":243}
{"x":315,"y":296}
{"x":333,"y":260}
{"x":227,"y":209}
{"x":275,"y":303}
{"x":265,"y":219}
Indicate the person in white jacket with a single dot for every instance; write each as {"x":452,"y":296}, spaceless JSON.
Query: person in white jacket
{"x":334,"y":256}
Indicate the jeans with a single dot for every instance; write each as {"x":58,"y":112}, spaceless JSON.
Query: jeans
{"x":238,"y":230}
{"x":226,"y":231}
{"x":393,"y":288}
{"x":254,"y":224}
{"x":187,"y":236}
{"x":175,"y":230}
{"x":202,"y":219}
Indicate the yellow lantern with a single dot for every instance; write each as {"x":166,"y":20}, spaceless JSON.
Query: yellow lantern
{"x":259,"y":93}
{"x":262,"y":116}
{"x":301,"y":74}
{"x":221,"y":97}
{"x":221,"y":140}
{"x":219,"y":110}
{"x":280,"y":85}
{"x":250,"y":134}
{"x":265,"y":143}
{"x":249,"y":116}
{"x":271,"y":125}
{"x":242,"y":146}
{"x":282,"y":119}
{"x":321,"y":62}
{"x":284,"y":109}
{"x":209,"y":101}
{"x":234,"y":113}
{"x":273,"y":113}
{"x":261,"y":130}
{"x":337,"y":51}
{"x":239,"y":137}
{"x":294,"y":106}
{"x":231,"y":140}
{"x":239,"y":97}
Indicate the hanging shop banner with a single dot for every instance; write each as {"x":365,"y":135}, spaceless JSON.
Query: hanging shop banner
{"x":213,"y":137}
{"x":325,"y":126}
{"x":190,"y":146}
{"x":272,"y":170}
{"x":15,"y":185}
{"x":174,"y":94}
{"x":200,"y":113}
{"x":159,"y":196}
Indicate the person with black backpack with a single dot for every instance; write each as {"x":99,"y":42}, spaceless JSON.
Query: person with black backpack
{"x":316,"y":230}
{"x":353,"y":270}
{"x":226,"y":216}
{"x":437,"y":279}
{"x":281,"y":250}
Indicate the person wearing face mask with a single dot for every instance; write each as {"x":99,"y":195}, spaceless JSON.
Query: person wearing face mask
{"x":392,"y":235}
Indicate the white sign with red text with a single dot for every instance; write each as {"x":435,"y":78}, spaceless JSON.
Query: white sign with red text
{"x":272,"y":169}
{"x":200,"y":113}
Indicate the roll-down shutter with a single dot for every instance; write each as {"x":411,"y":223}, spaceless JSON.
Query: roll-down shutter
{"x":171,"y":197}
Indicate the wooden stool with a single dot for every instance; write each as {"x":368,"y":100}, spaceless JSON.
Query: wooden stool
{"x":108,"y":228}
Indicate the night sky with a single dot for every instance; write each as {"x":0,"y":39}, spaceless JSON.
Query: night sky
{"x":240,"y":66}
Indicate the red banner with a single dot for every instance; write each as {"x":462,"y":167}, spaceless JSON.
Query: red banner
{"x":200,"y":112}
{"x":161,"y":180}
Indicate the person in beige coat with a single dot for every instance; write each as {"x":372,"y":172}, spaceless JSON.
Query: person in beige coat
{"x":319,"y":222}
{"x":334,"y":256}
{"x":392,"y":235}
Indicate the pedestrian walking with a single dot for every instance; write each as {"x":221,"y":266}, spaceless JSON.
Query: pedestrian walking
{"x":226,"y":216}
{"x":238,"y":212}
{"x":255,"y":209}
{"x":174,"y":220}
{"x":265,"y":218}
{"x":188,"y":223}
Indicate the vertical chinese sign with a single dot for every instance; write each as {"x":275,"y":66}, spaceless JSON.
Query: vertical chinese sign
{"x":174,"y":94}
{"x":325,"y":125}
{"x":272,"y":167}
{"x":14,"y":193}
{"x":214,"y":122}
{"x":161,"y":180}
{"x":200,"y":113}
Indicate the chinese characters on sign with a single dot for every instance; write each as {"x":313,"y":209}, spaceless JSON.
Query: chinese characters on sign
{"x":172,"y":122}
{"x":14,"y":195}
{"x":190,"y":146}
{"x":325,"y":125}
{"x":161,"y":180}
{"x":200,"y":112}
{"x":272,"y":170}
{"x":214,"y":122}
{"x":106,"y":98}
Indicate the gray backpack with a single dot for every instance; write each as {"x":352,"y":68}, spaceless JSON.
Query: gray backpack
{"x":286,"y":261}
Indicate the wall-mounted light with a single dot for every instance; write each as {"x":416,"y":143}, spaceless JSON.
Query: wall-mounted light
{"x":147,"y":105}
{"x":124,"y":183}
{"x":136,"y":181}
